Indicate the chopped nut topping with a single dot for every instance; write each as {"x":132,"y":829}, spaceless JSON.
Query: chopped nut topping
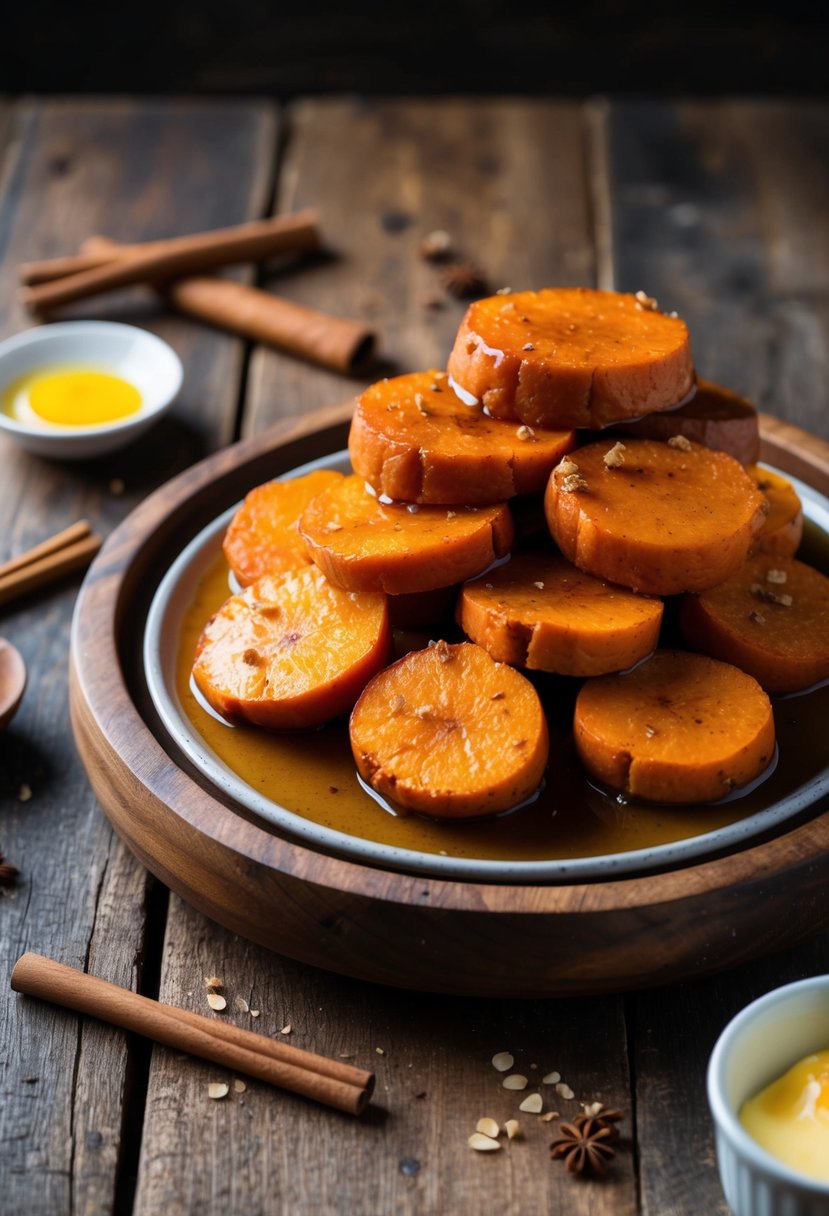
{"x":533,"y":1104}
{"x":770,"y":597}
{"x":776,"y":576}
{"x":614,"y":457}
{"x":286,"y":1029}
{"x":252,"y":658}
{"x":528,"y":346}
{"x":539,"y":585}
{"x":525,"y":432}
{"x":487,"y":1127}
{"x":498,"y":696}
{"x":397,"y":703}
{"x":573,"y":484}
{"x":645,"y":301}
{"x":757,"y":617}
{"x":649,"y":732}
{"x":681,"y":443}
{"x":482,"y":1143}
{"x":331,"y":526}
{"x":567,"y":467}
{"x":502,"y":1060}
{"x":443,"y":651}
{"x":423,"y":711}
{"x":503,"y":291}
{"x":254,"y":1013}
{"x":420,"y":404}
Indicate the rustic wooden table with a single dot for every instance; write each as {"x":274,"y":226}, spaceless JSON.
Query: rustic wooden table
{"x":718,"y":209}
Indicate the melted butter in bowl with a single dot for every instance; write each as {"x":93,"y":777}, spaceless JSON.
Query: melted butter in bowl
{"x":70,"y":396}
{"x":790,"y":1117}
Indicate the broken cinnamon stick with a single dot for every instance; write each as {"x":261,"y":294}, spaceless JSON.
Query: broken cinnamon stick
{"x":302,"y":1072}
{"x":158,"y":261}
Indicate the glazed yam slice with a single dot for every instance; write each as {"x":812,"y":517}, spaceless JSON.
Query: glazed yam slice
{"x":782,"y":529}
{"x":659,"y":518}
{"x":714,"y":417}
{"x":414,"y":440}
{"x":538,"y":611}
{"x":263,"y":536}
{"x":363,"y":545}
{"x":771,"y":619}
{"x":571,"y":357}
{"x":679,"y":728}
{"x":450,"y":733}
{"x":291,"y":651}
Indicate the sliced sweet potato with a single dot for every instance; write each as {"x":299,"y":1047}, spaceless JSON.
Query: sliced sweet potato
{"x":363,"y":545}
{"x":291,"y":651}
{"x":771,"y":619}
{"x":539,"y":611}
{"x":714,"y":417}
{"x":449,"y":732}
{"x":782,"y":529}
{"x":679,"y":728}
{"x":571,"y":357}
{"x":263,"y":537}
{"x":414,"y":440}
{"x":659,"y":518}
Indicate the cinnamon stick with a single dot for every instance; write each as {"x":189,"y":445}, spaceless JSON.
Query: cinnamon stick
{"x":60,"y":540}
{"x":158,"y":261}
{"x":26,"y":575}
{"x":328,"y":1081}
{"x":333,"y":342}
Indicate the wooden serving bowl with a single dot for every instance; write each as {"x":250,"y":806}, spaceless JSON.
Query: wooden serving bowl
{"x":468,"y":938}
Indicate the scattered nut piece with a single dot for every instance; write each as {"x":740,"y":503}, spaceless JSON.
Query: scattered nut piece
{"x":24,"y":793}
{"x":533,"y":1104}
{"x":218,"y":1089}
{"x":528,"y":346}
{"x":423,"y":711}
{"x":347,"y":1055}
{"x":512,"y":1128}
{"x":503,"y":1060}
{"x":564,"y":1090}
{"x":239,"y":1087}
{"x":241,"y":1004}
{"x":442,"y":651}
{"x":757,"y":617}
{"x":776,"y":576}
{"x":614,"y":458}
{"x":396,"y":704}
{"x":286,"y":1029}
{"x":213,"y":984}
{"x":645,"y":301}
{"x":503,"y":291}
{"x":254,"y":1013}
{"x":549,"y":1115}
{"x":515,"y":1081}
{"x":592,"y":1108}
{"x":525,"y":432}
{"x":381,"y":1051}
{"x":216,"y":1001}
{"x":567,"y":467}
{"x":436,"y":245}
{"x":482,"y":1143}
{"x":539,"y":585}
{"x":680,"y":443}
{"x":552,"y":1078}
{"x":487,"y":1127}
{"x":650,"y":731}
{"x":573,"y":483}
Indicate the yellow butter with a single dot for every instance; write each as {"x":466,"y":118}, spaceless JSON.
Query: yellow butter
{"x":70,"y":396}
{"x":790,"y":1117}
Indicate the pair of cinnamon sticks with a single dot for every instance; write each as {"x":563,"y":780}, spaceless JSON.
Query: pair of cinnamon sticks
{"x":331,"y":1082}
{"x":176,"y":266}
{"x":67,"y":551}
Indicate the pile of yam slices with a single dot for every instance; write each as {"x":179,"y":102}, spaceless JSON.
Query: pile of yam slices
{"x":539,"y":501}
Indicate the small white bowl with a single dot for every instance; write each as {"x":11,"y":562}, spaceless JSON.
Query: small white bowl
{"x":757,"y":1046}
{"x":124,"y":350}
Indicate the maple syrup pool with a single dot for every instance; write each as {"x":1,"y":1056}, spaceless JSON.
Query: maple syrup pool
{"x":312,"y":773}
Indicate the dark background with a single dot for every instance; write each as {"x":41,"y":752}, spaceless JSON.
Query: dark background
{"x":464,"y":46}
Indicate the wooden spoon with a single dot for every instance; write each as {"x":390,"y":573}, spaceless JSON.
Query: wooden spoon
{"x":12,"y":681}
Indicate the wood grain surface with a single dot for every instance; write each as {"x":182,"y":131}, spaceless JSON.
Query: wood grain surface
{"x":718,"y":209}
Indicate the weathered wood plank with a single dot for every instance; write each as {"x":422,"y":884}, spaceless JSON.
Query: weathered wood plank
{"x":264,"y":1151}
{"x":719,"y":210}
{"x":506,"y":179}
{"x":135,"y":171}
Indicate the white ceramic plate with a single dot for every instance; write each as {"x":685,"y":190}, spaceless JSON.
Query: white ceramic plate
{"x":161,"y":641}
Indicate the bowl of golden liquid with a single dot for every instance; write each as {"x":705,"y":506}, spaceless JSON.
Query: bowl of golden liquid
{"x":768,"y":1089}
{"x":77,"y":389}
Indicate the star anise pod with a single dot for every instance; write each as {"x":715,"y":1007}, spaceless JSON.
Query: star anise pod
{"x":605,"y":1116}
{"x":584,"y":1145}
{"x":8,"y":873}
{"x":463,"y":280}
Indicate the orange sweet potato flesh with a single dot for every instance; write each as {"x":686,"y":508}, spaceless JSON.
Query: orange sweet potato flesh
{"x":571,"y":357}
{"x":539,"y":611}
{"x":364,"y":545}
{"x":715,"y":417}
{"x":771,"y":619}
{"x":680,"y":728}
{"x":263,"y":536}
{"x":414,"y":440}
{"x":450,"y":733}
{"x":291,"y":651}
{"x":782,"y":529}
{"x":655,"y":517}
